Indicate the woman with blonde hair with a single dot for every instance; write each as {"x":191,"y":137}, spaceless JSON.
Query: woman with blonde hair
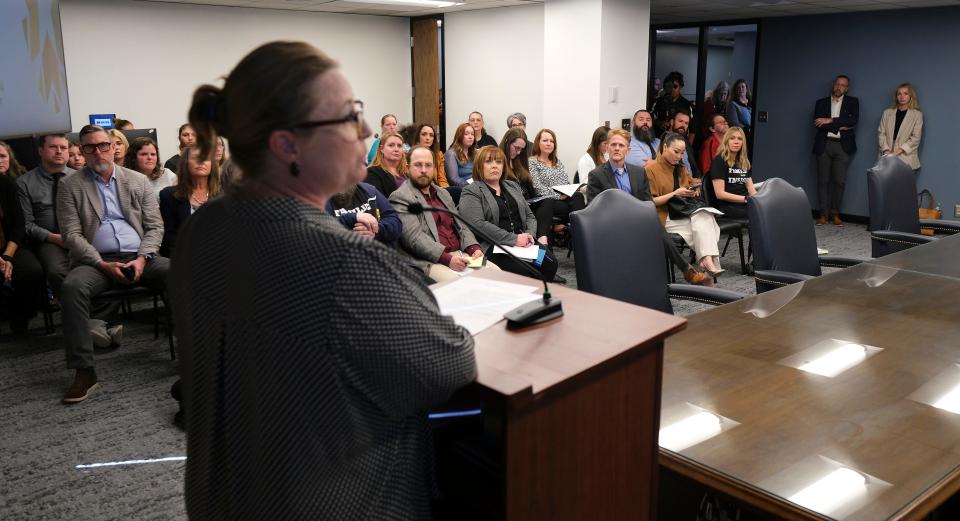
{"x":9,"y":165}
{"x":901,"y":127}
{"x":730,"y":175}
{"x":121,"y":146}
{"x":389,"y":167}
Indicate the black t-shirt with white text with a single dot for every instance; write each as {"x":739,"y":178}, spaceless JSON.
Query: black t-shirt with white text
{"x":734,"y":179}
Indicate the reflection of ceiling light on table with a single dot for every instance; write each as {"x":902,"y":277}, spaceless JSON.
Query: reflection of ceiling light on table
{"x":836,"y":361}
{"x":950,"y":401}
{"x":690,"y":431}
{"x":832,"y":491}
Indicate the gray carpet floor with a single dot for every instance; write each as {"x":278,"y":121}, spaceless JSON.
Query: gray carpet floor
{"x":130,"y":417}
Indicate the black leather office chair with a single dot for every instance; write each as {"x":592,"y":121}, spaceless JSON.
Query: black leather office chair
{"x":618,"y":242}
{"x":783,"y":237}
{"x":894,"y":214}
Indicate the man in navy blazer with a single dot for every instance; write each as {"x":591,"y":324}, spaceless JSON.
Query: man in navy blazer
{"x":616,"y":174}
{"x":835,"y":118}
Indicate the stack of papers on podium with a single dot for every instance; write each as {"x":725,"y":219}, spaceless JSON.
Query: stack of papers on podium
{"x":477,"y":304}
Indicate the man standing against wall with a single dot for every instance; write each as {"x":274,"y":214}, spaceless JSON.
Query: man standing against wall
{"x":836,"y":119}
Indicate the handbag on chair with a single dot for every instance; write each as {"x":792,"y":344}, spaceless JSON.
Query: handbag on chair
{"x":928,"y":212}
{"x":681,"y":207}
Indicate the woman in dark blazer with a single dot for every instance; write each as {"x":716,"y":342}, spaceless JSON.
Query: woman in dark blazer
{"x":497,"y":208}
{"x":198,"y":181}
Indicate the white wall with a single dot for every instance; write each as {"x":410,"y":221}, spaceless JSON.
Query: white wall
{"x":624,"y":59}
{"x":494,"y":61}
{"x":571,"y":75}
{"x":142,"y":60}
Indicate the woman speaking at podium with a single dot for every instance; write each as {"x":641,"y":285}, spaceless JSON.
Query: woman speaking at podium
{"x":309,"y":354}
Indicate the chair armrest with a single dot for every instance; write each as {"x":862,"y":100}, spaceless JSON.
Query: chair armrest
{"x":835,"y":261}
{"x":941,"y":225}
{"x":714,"y":296}
{"x":911,"y":239}
{"x":773,"y":279}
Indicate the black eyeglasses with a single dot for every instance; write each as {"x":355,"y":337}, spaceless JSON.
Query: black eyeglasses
{"x":355,"y":117}
{"x":89,"y":149}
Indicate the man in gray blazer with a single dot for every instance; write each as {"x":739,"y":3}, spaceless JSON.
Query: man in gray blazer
{"x":110,"y":221}
{"x":439,"y":244}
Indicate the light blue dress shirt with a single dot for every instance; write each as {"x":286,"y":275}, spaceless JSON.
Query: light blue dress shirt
{"x":115,"y":234}
{"x":640,"y":152}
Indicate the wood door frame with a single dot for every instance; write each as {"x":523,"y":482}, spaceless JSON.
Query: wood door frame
{"x":442,"y":124}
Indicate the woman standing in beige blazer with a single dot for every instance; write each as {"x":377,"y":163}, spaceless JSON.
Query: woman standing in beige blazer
{"x":901,"y":127}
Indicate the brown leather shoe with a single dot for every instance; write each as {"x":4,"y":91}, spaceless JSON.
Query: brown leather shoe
{"x":693,"y":276}
{"x":821,"y":220}
{"x":84,"y":383}
{"x":836,"y":221}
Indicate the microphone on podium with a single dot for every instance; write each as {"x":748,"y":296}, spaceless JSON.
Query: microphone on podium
{"x":529,"y":314}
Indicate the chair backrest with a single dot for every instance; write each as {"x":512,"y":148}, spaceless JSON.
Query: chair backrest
{"x":782,"y":233}
{"x":618,"y":244}
{"x":892,"y":193}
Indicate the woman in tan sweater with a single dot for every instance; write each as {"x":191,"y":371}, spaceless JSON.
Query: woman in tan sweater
{"x":699,"y":231}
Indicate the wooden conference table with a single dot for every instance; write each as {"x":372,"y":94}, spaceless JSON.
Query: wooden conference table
{"x":571,"y":415}
{"x":786,"y":436}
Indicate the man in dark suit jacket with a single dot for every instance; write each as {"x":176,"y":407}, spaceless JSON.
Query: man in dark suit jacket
{"x":836,"y":118}
{"x":616,"y":174}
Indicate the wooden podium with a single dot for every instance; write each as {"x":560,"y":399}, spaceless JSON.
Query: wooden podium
{"x":571,"y":414}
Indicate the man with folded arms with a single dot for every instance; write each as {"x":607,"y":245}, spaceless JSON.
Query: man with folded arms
{"x":442,"y":246}
{"x":111,"y":223}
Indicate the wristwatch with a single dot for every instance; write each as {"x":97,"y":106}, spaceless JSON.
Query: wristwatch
{"x":148,"y":256}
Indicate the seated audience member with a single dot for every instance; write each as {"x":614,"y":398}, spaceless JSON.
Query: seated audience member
{"x":198,"y":181}
{"x":441,"y":246}
{"x":738,"y":109}
{"x":671,"y":102}
{"x":901,"y":127}
{"x":144,"y":157}
{"x":38,"y":191}
{"x":389,"y":167}
{"x":730,"y":176}
{"x":220,"y":153}
{"x":121,"y":144}
{"x":74,"y":157}
{"x":708,"y":150}
{"x":668,"y":178}
{"x":680,"y":124}
{"x":8,"y":162}
{"x":388,"y":124}
{"x":366,"y":211}
{"x":187,"y":138}
{"x":715,"y":103}
{"x":643,"y":141}
{"x":518,"y":120}
{"x":496,"y":206}
{"x":617,"y":174}
{"x":459,"y":157}
{"x":596,"y":153}
{"x":482,"y":138}
{"x":427,"y":137}
{"x":517,"y":169}
{"x":123,"y":124}
{"x":112,"y":246}
{"x":549,"y":171}
{"x":21,"y":277}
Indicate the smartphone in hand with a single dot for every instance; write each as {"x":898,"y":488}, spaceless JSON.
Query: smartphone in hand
{"x":128,"y":272}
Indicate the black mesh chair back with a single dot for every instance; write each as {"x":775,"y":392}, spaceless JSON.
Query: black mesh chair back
{"x":781,"y":231}
{"x":892,"y":194}
{"x":618,"y":244}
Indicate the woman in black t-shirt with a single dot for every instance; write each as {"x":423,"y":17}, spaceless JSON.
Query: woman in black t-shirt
{"x":730,"y":175}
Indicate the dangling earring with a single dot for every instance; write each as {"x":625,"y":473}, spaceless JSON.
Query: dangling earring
{"x":294,"y":169}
